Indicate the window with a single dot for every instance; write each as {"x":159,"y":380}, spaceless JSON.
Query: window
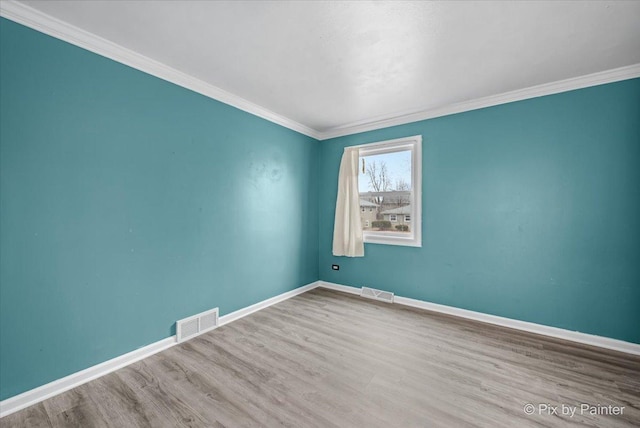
{"x":362,"y":209}
{"x":390,"y":179}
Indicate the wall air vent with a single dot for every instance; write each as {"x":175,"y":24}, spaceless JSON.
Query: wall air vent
{"x":196,"y":325}
{"x":372,"y":293}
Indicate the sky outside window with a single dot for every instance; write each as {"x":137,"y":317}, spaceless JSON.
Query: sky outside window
{"x":398,"y":168}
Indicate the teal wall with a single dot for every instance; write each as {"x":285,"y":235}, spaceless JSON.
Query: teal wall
{"x":128,"y":202}
{"x":531,"y":211}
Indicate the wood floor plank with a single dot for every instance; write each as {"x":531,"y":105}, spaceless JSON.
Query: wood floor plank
{"x":34,"y":416}
{"x":329,"y":359}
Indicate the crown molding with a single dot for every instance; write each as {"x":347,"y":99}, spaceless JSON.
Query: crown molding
{"x":59,"y":29}
{"x":600,"y":78}
{"x":47,"y":24}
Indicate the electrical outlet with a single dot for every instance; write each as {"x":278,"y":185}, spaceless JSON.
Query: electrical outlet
{"x":335,"y":267}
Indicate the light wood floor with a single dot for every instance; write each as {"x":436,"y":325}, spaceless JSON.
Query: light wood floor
{"x":328,"y":359}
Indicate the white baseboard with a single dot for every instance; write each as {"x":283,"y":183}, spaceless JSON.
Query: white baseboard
{"x":66,"y":383}
{"x":233,"y":316}
{"x":340,"y":287}
{"x":41,"y":393}
{"x":573,"y":336}
{"x":34,"y":396}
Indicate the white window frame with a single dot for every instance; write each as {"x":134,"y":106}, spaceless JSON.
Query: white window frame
{"x":414,"y":144}
{"x":393,"y":217}
{"x":407,"y":220}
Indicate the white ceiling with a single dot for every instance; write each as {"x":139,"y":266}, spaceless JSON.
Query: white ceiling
{"x":329,"y":65}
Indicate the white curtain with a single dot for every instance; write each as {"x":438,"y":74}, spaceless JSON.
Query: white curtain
{"x":347,"y":229}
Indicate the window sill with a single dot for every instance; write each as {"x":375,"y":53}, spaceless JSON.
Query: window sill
{"x":391,"y":239}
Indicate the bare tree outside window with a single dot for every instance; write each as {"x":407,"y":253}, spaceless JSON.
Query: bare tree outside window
{"x":388,"y":189}
{"x":379,"y":180}
{"x":401,"y":184}
{"x":401,"y":200}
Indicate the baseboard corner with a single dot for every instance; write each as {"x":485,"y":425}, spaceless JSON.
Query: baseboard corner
{"x":41,"y":393}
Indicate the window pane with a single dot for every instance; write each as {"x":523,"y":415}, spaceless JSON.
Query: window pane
{"x":385,"y":188}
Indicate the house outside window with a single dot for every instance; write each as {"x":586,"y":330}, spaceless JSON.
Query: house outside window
{"x":367,"y":215}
